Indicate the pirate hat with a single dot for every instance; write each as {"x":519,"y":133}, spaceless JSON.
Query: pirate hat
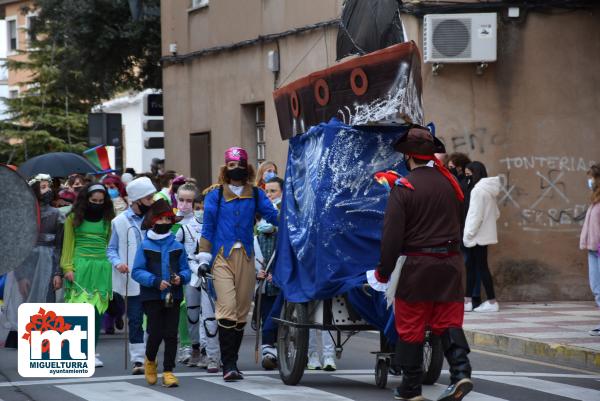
{"x":160,"y":208}
{"x":419,"y":141}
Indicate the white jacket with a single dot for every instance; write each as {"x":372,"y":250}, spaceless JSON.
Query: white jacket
{"x":480,"y":226}
{"x":130,"y":237}
{"x":189,"y":234}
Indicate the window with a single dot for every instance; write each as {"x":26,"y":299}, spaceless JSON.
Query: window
{"x":30,"y":24}
{"x":11,"y":26}
{"x":13,"y":93}
{"x":260,"y":133}
{"x":3,"y":71}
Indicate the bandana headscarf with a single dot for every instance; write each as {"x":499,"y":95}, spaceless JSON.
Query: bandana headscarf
{"x":445,"y":172}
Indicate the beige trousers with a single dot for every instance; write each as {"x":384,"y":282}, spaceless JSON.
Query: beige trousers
{"x":234,"y":279}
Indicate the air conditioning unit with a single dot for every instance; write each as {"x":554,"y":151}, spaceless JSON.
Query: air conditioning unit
{"x":459,"y":38}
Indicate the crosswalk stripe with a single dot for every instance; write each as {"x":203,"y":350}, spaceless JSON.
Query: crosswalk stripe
{"x":545,"y":386}
{"x":116,"y":391}
{"x":274,"y":390}
{"x":96,"y":379}
{"x":429,"y":392}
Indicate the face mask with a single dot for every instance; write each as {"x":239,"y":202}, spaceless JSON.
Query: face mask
{"x":47,"y":197}
{"x":162,"y":228}
{"x":264,"y":228}
{"x":590,"y":183}
{"x":199,"y":214}
{"x":94,"y":212}
{"x":143,"y":208}
{"x":454,"y":171}
{"x":237,"y":174}
{"x":276,"y":201}
{"x":113,"y":193}
{"x":268,"y":175}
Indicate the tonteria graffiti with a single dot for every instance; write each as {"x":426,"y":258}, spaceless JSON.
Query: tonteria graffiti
{"x":545,"y":193}
{"x":562,"y":163}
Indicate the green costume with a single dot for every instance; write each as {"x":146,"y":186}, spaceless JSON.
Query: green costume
{"x":84,"y":253}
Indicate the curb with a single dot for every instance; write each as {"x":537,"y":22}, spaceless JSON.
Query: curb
{"x":548,"y":352}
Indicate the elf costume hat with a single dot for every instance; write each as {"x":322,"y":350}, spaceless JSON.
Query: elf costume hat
{"x":160,"y":208}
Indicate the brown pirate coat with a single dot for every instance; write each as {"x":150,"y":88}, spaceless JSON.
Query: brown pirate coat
{"x":428,"y":216}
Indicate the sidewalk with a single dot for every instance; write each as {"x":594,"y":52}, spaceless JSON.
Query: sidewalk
{"x":551,"y":332}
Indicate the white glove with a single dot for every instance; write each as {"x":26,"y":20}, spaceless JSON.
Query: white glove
{"x":376,"y":285}
{"x":194,"y":266}
{"x":204,"y":258}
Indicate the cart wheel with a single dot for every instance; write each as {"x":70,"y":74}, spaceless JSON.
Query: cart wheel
{"x":433,"y":358}
{"x":292,"y":343}
{"x":381,"y":372}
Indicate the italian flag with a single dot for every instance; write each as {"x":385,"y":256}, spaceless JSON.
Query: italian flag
{"x":98,"y":156}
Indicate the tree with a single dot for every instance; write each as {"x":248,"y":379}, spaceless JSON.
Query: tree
{"x":82,"y":52}
{"x":108,"y":50}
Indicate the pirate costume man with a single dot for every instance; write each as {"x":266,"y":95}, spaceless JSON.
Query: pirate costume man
{"x":227,"y":245}
{"x":423,"y":222}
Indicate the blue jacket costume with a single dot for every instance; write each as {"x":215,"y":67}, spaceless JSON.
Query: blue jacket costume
{"x":229,"y":218}
{"x":152,"y":262}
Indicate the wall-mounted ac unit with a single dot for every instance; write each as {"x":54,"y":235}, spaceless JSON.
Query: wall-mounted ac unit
{"x":459,"y":38}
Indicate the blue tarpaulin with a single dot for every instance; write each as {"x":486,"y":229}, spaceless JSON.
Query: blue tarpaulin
{"x":332,"y":211}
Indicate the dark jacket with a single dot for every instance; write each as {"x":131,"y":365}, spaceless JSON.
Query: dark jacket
{"x":426,"y":217}
{"x":154,"y":261}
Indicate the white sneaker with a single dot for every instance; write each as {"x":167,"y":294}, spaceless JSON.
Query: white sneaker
{"x":487,"y":307}
{"x":329,"y":364}
{"x":269,"y":357}
{"x":213,"y":366}
{"x":468,"y":307}
{"x":313,"y":362}
{"x":202,"y":362}
{"x":98,"y":363}
{"x":595,"y":332}
{"x":184,"y":355}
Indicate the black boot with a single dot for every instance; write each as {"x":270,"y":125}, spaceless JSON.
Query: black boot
{"x":409,"y":358}
{"x":456,"y":349}
{"x":239,"y":336}
{"x":227,"y":343}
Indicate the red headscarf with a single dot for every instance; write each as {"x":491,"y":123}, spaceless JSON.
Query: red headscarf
{"x":442,"y":169}
{"x":114,"y":179}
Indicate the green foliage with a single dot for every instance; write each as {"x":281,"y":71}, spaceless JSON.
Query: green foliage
{"x":82,"y":52}
{"x":102,"y":48}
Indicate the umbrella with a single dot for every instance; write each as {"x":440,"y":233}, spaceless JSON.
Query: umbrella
{"x":57,"y":164}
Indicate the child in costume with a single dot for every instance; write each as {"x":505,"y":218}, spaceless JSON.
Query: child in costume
{"x":127,"y":235}
{"x":161,"y":268}
{"x":86,"y":269}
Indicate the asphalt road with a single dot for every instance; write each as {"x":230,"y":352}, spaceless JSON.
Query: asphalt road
{"x":496,"y":378}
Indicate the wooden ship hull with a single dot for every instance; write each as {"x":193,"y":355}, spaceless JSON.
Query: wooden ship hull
{"x":380,"y":88}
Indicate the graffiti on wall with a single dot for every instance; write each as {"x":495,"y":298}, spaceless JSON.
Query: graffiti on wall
{"x":546,"y":204}
{"x":476,"y":141}
{"x":539,"y":192}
